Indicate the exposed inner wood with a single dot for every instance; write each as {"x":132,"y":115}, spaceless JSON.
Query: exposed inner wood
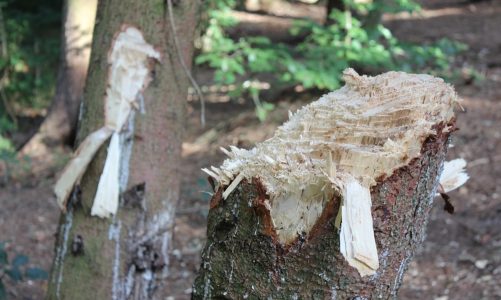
{"x":351,"y":137}
{"x":454,"y":175}
{"x":75,"y":169}
{"x":128,"y":76}
{"x":243,"y":255}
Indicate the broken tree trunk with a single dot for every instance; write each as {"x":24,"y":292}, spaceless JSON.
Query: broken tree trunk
{"x":119,"y":198}
{"x":335,"y":204}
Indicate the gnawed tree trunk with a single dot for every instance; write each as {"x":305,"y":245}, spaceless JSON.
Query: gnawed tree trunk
{"x":134,"y":63}
{"x":59,"y":125}
{"x":335,"y":204}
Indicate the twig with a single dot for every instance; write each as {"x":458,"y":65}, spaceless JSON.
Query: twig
{"x":183,"y":64}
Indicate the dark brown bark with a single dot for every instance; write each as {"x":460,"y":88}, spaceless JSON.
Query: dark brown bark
{"x":58,"y":127}
{"x":126,"y":257}
{"x":243,"y":259}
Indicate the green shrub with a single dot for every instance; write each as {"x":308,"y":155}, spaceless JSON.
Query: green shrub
{"x":349,"y":39}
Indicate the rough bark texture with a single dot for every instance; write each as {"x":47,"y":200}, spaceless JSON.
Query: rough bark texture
{"x":126,"y":257}
{"x":243,"y":260}
{"x":59,"y":125}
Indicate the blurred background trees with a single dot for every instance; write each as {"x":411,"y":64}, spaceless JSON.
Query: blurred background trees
{"x":59,"y":125}
{"x":250,"y":46}
{"x":295,"y":50}
{"x":30,"y":35}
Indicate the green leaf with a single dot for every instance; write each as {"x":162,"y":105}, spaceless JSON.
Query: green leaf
{"x":20,"y":260}
{"x":36,"y":273}
{"x":263,"y":109}
{"x":3,"y":253}
{"x":14,"y":274}
{"x":261,"y":113}
{"x":268,"y":106}
{"x":3,"y":292}
{"x":385,"y":32}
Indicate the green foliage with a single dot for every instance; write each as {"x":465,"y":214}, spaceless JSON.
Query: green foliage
{"x":5,"y":146}
{"x":7,"y":156}
{"x":351,"y":38}
{"x":30,"y":42}
{"x":3,"y":255}
{"x":394,"y":6}
{"x":16,"y":270}
{"x":36,"y":274}
{"x":346,"y":42}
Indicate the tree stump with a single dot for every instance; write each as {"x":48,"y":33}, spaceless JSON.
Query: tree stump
{"x":273,"y":225}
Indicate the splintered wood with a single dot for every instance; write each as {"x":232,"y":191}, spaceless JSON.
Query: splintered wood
{"x":454,"y":175}
{"x":128,"y":76}
{"x":341,"y":144}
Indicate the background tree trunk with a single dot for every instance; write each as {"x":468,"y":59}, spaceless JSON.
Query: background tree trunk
{"x":242,"y":258}
{"x":59,"y":125}
{"x":127,"y":257}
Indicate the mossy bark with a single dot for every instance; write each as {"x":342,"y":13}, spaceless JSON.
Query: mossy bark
{"x":126,"y":257}
{"x":243,"y":259}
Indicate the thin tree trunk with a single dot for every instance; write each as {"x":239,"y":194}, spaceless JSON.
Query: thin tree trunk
{"x":286,"y":184}
{"x":59,"y":125}
{"x":126,"y":257}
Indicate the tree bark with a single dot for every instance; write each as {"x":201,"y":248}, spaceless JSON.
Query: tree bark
{"x":126,"y":257}
{"x":241,"y":256}
{"x":245,"y":258}
{"x":58,"y":127}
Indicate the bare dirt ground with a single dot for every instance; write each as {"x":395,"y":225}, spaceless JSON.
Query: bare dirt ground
{"x":461,"y":258}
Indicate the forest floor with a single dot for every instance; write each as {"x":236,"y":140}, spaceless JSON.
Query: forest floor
{"x":461,"y":257}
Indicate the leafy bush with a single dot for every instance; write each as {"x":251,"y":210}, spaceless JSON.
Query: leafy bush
{"x":349,"y":39}
{"x":16,"y":270}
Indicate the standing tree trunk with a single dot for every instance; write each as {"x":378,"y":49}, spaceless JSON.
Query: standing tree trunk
{"x":335,"y":204}
{"x":59,"y":125}
{"x":126,"y":257}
